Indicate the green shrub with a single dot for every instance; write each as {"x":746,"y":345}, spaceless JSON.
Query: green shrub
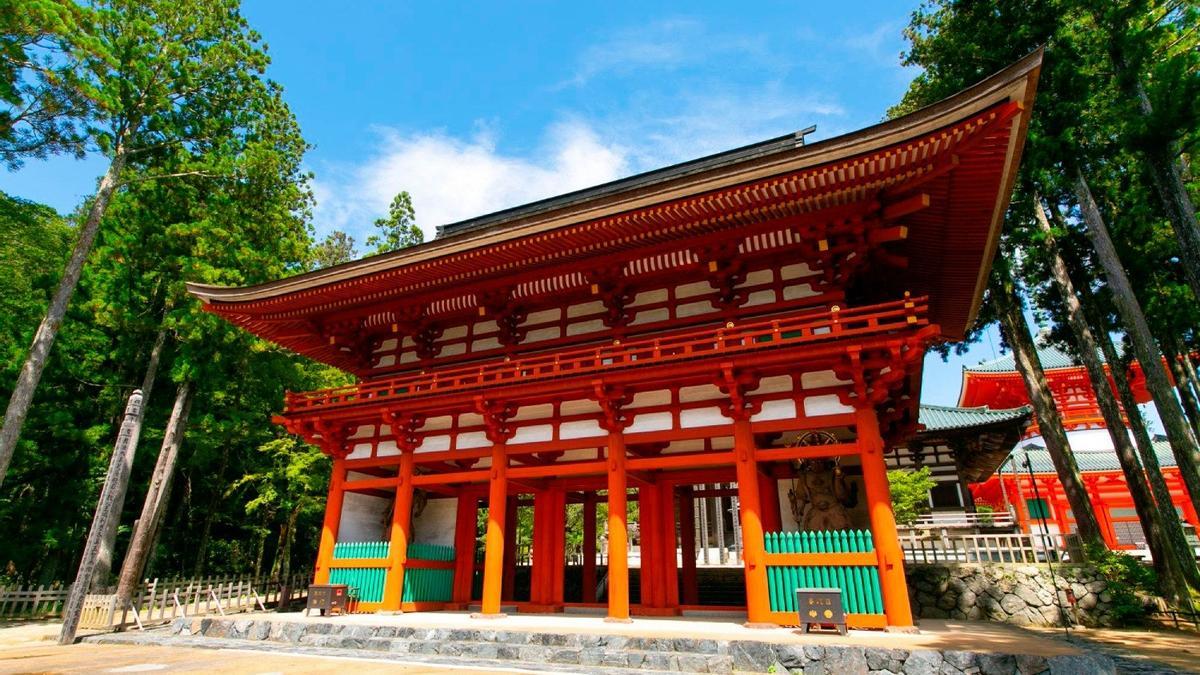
{"x":910,"y":493}
{"x":1126,"y":577}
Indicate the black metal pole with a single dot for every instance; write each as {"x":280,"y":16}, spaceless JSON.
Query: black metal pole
{"x":1037,"y":494}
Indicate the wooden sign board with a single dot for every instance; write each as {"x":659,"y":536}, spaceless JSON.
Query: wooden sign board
{"x":821,"y":607}
{"x":329,"y":599}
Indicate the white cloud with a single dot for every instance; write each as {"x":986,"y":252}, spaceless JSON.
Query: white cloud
{"x":668,"y":44}
{"x":451,"y":179}
{"x":674,"y":126}
{"x":724,"y":90}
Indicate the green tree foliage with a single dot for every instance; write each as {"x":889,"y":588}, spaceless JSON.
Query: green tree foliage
{"x":1116,"y":111}
{"x":910,"y":493}
{"x":336,"y":248}
{"x":235,"y":210}
{"x":41,"y":106}
{"x":399,"y":229}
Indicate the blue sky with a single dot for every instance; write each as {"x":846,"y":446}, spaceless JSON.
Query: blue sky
{"x":476,"y":107}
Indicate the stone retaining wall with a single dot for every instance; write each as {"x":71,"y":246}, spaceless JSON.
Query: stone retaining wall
{"x":1016,"y":594}
{"x":605,"y":654}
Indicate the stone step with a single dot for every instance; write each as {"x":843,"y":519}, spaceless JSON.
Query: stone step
{"x":592,"y":652}
{"x":587,"y":663}
{"x":613,"y":651}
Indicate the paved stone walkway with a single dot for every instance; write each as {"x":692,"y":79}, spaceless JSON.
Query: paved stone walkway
{"x":1139,"y":651}
{"x":94,"y":658}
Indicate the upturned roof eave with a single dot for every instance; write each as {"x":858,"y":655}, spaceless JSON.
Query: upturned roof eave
{"x":1015,"y":83}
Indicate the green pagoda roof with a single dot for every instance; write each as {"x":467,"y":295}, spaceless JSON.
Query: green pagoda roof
{"x":942,"y":417}
{"x":1088,"y":460}
{"x":1051,"y":358}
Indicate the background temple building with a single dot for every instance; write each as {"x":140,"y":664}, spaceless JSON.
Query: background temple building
{"x":997,"y":383}
{"x":742,"y":326}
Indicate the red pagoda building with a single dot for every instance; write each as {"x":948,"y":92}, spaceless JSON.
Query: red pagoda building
{"x":737,"y":320}
{"x":997,"y":383}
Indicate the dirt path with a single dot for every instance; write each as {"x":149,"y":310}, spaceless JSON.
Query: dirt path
{"x":92,"y":658}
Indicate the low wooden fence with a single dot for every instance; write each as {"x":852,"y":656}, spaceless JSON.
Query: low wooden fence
{"x":1017,"y":547}
{"x":18,"y":602}
{"x":157,"y":601}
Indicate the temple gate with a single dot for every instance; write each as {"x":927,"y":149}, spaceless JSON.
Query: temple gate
{"x":637,"y":343}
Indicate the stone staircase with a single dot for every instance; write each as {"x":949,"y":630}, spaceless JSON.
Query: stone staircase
{"x":603,"y":654}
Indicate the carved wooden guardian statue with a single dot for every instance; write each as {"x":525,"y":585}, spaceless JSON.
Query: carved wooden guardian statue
{"x":821,"y":496}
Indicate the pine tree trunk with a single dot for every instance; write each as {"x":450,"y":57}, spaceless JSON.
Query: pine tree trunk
{"x":1189,"y":370}
{"x":148,"y":570}
{"x":209,"y":513}
{"x":1179,"y":546}
{"x":1016,"y":334}
{"x":1170,"y":577}
{"x":285,"y":566}
{"x":1179,"y":434}
{"x":43,"y":339}
{"x":109,"y":543}
{"x":1175,"y":356}
{"x":154,"y":505}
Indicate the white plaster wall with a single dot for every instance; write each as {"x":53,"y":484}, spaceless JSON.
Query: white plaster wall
{"x":436,"y":523}
{"x":363,"y":517}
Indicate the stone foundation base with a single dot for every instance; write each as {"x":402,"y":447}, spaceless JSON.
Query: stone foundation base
{"x":598,"y":653}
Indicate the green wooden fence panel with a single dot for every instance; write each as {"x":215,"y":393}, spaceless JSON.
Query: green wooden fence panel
{"x":360,"y":549}
{"x":366,"y":583}
{"x":428,"y":585}
{"x":859,"y":584}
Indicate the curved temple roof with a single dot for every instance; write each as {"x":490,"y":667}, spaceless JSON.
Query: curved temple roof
{"x":963,"y":152}
{"x":945,"y":418}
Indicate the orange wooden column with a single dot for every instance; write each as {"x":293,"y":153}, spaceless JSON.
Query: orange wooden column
{"x":618,"y":534}
{"x":1059,"y":506}
{"x":589,"y":546}
{"x":558,"y":552}
{"x":1018,"y":502}
{"x":539,"y":564}
{"x":508,"y":584}
{"x":883,"y":521}
{"x":758,"y":603}
{"x":493,"y":563}
{"x":1189,"y":512}
{"x":464,"y":546}
{"x":768,"y":490}
{"x":333,"y":519}
{"x":1103,"y":514}
{"x":687,"y":537}
{"x":400,"y":530}
{"x":668,"y":545}
{"x":650,"y":572}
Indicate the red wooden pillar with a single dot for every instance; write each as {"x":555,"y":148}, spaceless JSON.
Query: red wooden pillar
{"x":648,"y":534}
{"x":687,"y":536}
{"x":558,"y":557}
{"x":464,"y":546}
{"x":768,"y":491}
{"x":1059,"y":506}
{"x":1021,"y":507}
{"x":333,"y":519}
{"x":1189,"y":511}
{"x":618,"y":531}
{"x":540,"y":548}
{"x":589,"y":546}
{"x":668,"y":545}
{"x":400,"y":530}
{"x":510,"y":548}
{"x":494,"y":548}
{"x":883,"y":521}
{"x":758,"y":604}
{"x":1103,"y":515}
